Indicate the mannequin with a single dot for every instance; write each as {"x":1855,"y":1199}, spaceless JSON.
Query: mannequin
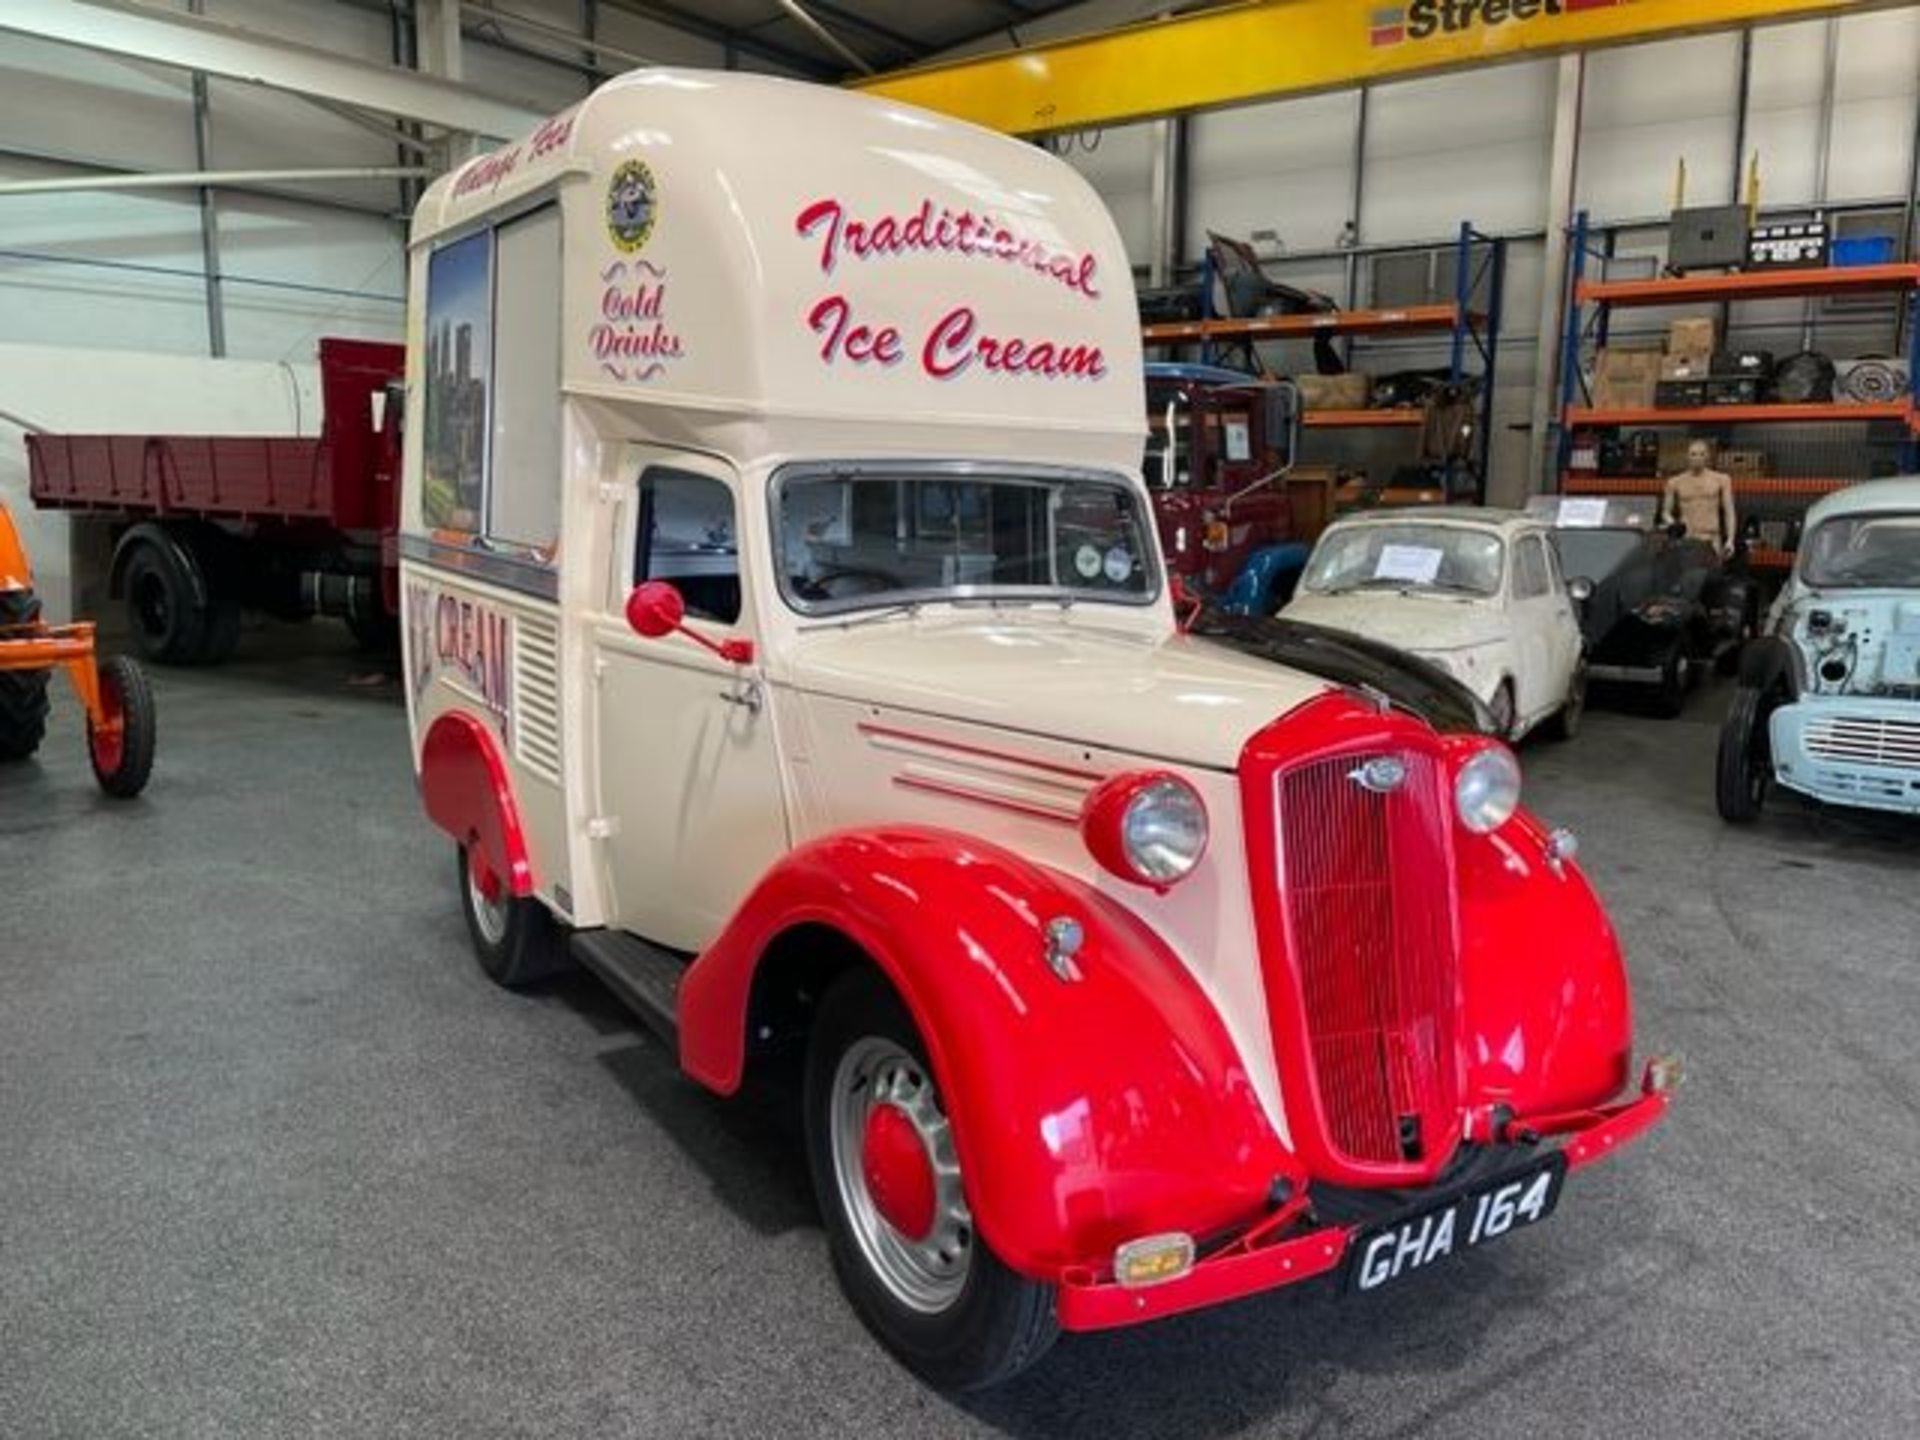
{"x":1701,"y":500}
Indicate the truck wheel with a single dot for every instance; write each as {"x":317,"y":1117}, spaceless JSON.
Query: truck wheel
{"x":1744,"y":768}
{"x":514,"y":937}
{"x":23,"y":693}
{"x":122,"y":749}
{"x":1565,"y":724}
{"x":888,"y":1180}
{"x":221,"y":635}
{"x":1676,"y":678}
{"x":375,"y":634}
{"x":163,"y":611}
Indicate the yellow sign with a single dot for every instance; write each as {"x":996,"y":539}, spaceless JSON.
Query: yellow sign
{"x":1258,"y":51}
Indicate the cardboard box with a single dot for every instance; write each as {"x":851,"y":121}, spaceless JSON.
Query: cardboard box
{"x":1693,"y":337}
{"x":1625,"y":379}
{"x":1740,"y":464}
{"x":1335,"y":392}
{"x":1685,"y":367}
{"x":1673,"y":452}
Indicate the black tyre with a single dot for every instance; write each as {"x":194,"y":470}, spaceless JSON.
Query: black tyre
{"x":122,"y":748}
{"x":221,"y":635}
{"x":515,"y":939}
{"x":376,"y":634}
{"x":1676,"y":678}
{"x":1565,"y":724}
{"x":1744,"y":767}
{"x":23,"y":693}
{"x":888,"y":1180}
{"x":164,"y":611}
{"x":1505,"y":710}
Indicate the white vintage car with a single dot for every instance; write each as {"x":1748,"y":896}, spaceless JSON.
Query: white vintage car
{"x":1477,"y":592}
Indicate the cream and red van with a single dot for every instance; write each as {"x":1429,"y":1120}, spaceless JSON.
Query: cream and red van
{"x":787,"y":642}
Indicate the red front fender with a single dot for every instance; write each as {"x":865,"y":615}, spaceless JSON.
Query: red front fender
{"x":1547,"y":1017}
{"x":1086,"y":1111}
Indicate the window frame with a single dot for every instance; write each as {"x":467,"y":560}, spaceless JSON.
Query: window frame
{"x":638,"y":548}
{"x":481,"y":538}
{"x":800,"y":472}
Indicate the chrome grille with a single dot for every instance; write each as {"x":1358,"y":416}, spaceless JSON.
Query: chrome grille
{"x":1865,"y":740}
{"x":1368,"y":899}
{"x":536,"y":695}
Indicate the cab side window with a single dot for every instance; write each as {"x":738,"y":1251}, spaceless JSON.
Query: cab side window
{"x":1530,"y":574}
{"x":688,"y":534}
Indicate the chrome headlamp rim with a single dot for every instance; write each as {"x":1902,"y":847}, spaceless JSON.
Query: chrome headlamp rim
{"x":1486,"y":789}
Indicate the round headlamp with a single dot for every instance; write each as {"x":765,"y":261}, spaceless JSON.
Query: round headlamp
{"x":1147,"y":827}
{"x":1486,"y":791}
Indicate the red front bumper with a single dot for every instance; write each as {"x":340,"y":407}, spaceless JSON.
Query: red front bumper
{"x":1246,"y":1267}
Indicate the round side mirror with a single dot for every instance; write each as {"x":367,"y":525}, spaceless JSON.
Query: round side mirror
{"x":1580,"y":588}
{"x":655,"y":609}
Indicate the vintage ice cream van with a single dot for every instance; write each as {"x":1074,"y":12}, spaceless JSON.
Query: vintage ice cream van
{"x":787,"y":642}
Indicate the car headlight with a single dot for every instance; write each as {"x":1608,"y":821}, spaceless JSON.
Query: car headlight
{"x":1486,"y":791}
{"x":1148,"y":827}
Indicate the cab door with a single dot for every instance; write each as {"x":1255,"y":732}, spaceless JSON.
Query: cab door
{"x":689,"y":812}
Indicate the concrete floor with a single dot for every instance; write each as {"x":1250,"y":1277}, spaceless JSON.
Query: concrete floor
{"x":275,"y":1159}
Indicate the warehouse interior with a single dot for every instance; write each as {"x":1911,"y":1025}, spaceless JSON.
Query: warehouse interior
{"x":282,"y":1160}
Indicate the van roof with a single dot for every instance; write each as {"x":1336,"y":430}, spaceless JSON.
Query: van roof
{"x":810,"y":256}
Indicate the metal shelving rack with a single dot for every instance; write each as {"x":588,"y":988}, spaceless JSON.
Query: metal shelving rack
{"x":1479,"y":259}
{"x":1590,"y":307}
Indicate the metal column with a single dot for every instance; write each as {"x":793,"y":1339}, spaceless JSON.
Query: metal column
{"x":1555,"y":288}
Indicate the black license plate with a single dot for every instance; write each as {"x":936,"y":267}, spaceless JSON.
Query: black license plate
{"x":1395,"y":1249}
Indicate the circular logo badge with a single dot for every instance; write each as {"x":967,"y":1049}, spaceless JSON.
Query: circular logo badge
{"x":632,"y":205}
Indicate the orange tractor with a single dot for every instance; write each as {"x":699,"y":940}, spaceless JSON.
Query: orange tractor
{"x":114,"y":693}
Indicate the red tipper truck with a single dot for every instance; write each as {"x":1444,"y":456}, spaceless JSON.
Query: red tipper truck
{"x":206,"y":525}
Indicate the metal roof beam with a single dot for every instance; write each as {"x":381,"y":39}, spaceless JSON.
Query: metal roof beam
{"x":1238,"y":54}
{"x":233,"y":52}
{"x":688,"y":23}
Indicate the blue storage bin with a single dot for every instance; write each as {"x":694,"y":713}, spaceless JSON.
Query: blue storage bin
{"x":1863,"y":250}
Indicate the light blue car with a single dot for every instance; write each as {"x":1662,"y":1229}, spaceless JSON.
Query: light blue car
{"x":1829,"y":697}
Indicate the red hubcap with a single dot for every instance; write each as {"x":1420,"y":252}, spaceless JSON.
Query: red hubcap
{"x":108,"y":738}
{"x":898,"y":1172}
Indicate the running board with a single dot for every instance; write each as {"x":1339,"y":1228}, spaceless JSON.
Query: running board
{"x":644,"y":976}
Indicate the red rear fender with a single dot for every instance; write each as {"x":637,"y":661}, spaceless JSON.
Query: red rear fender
{"x":467,"y":792}
{"x":1087,"y":1111}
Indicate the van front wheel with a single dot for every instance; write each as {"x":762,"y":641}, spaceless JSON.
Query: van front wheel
{"x":899,"y":1228}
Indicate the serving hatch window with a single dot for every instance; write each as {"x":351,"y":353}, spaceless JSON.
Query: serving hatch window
{"x":854,"y":539}
{"x":491,"y":433}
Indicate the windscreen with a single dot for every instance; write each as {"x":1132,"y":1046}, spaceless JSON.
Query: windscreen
{"x":851,"y":540}
{"x":1863,"y":550}
{"x":1595,"y":554}
{"x":1406,"y":556}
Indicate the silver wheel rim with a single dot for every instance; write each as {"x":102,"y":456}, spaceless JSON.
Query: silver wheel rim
{"x":489,"y":916}
{"x":927,"y":1274}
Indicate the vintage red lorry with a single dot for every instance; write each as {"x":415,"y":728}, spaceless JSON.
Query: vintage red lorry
{"x":209,"y":525}
{"x":1218,"y":446}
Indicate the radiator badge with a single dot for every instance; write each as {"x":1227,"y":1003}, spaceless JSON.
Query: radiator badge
{"x":1383,"y":774}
